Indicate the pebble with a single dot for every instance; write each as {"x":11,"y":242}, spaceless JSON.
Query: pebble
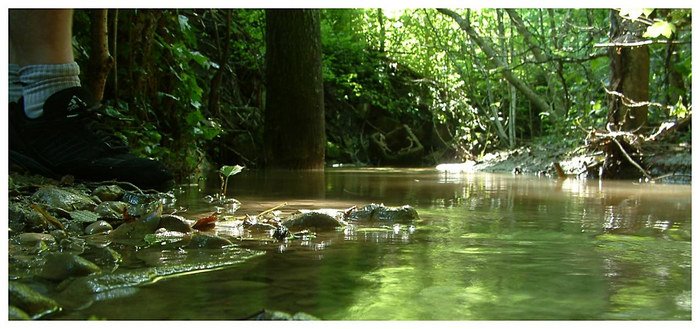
{"x":30,"y":302}
{"x":60,"y":266}
{"x":174,"y":223}
{"x":209,"y":241}
{"x":28,"y":239}
{"x":313,"y":221}
{"x":109,"y":192}
{"x":99,"y":226}
{"x":112,"y":209}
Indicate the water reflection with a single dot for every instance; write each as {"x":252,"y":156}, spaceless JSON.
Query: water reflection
{"x":486,"y":247}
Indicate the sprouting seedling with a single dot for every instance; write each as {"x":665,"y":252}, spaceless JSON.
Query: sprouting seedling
{"x":224,"y":173}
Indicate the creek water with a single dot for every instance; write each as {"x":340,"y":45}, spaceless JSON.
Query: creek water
{"x":486,"y":247}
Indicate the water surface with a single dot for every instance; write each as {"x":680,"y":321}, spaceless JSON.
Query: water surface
{"x":487,"y":247}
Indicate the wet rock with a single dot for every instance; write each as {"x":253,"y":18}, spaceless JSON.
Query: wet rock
{"x":261,"y":228}
{"x":281,"y":233}
{"x":282,"y":316}
{"x":14,"y":313}
{"x":105,"y":257}
{"x":99,"y":226}
{"x":59,"y":234}
{"x":32,"y":303}
{"x":72,"y":244}
{"x":25,"y":219}
{"x":374,"y":212}
{"x":403,"y":214}
{"x":112,"y":209}
{"x":109,"y":192}
{"x":209,"y":241}
{"x":174,"y":223}
{"x":62,"y":198}
{"x":136,"y":230}
{"x":364,"y":213}
{"x":60,"y":266}
{"x":31,"y":239}
{"x":315,"y":221}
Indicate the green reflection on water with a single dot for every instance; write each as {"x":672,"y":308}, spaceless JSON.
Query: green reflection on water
{"x":487,"y":247}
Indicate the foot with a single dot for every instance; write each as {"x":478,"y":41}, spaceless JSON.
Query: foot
{"x":67,"y":140}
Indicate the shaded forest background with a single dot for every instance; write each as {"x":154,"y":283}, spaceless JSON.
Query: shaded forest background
{"x":412,"y":87}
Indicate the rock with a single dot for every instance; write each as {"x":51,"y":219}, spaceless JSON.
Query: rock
{"x":278,"y":315}
{"x":105,"y":256}
{"x":31,"y":239}
{"x":137,"y":229}
{"x":109,"y":192}
{"x":60,"y":266}
{"x":174,"y":223}
{"x":374,"y":212}
{"x":14,"y":313}
{"x":314,"y":221}
{"x":111,"y":209}
{"x":59,"y":234}
{"x":99,"y":226}
{"x":32,"y":303}
{"x":62,"y":198}
{"x":403,"y":214}
{"x":24,"y":218}
{"x":209,"y":241}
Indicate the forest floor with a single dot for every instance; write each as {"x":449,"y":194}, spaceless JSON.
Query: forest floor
{"x":664,"y":162}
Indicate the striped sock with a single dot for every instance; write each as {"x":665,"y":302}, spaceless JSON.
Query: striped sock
{"x":14,"y":85}
{"x":43,"y":80}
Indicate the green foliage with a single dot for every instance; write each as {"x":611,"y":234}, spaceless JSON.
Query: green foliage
{"x":380,"y":67}
{"x":224,"y":173}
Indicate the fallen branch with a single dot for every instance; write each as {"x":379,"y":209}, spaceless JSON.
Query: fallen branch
{"x":630,"y":158}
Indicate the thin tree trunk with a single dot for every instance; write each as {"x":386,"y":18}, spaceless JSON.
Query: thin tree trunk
{"x":100,"y":60}
{"x":541,"y":56}
{"x":494,"y":57}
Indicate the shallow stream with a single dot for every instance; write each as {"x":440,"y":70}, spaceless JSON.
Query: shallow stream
{"x":487,"y":247}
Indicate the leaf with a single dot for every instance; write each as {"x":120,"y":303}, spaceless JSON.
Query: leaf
{"x":206,"y":222}
{"x":660,"y":28}
{"x":230,"y":170}
{"x":47,"y":216}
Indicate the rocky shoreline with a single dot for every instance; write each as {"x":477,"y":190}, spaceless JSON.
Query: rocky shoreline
{"x":71,"y":244}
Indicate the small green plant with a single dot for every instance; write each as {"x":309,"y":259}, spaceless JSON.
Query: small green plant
{"x":224,"y":173}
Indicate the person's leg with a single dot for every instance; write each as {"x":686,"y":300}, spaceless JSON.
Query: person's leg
{"x":54,"y":127}
{"x":40,"y":43}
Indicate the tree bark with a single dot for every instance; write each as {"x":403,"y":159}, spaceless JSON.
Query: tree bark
{"x":629,"y":68}
{"x":294,"y":116}
{"x":494,"y":57}
{"x":100,"y":60}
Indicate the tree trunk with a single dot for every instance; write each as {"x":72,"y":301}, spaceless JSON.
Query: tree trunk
{"x":628,"y":95}
{"x":294,"y":116}
{"x":224,"y":53}
{"x":541,"y":57}
{"x":100,"y":60}
{"x":494,"y":57}
{"x":629,"y":79}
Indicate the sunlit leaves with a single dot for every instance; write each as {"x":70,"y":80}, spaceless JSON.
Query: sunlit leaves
{"x":660,"y":28}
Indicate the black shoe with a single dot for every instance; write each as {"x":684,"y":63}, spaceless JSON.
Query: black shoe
{"x":68,"y":140}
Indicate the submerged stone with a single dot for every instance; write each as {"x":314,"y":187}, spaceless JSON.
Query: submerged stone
{"x":283,"y":316}
{"x":60,"y":266}
{"x":375,"y":212}
{"x":315,"y":221}
{"x":174,"y":223}
{"x":15,"y":313}
{"x":209,"y":241}
{"x":30,"y":302}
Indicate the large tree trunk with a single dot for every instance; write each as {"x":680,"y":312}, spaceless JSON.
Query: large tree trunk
{"x":100,"y":60}
{"x":494,"y":57}
{"x":628,"y":95}
{"x":295,"y":135}
{"x":629,"y":81}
